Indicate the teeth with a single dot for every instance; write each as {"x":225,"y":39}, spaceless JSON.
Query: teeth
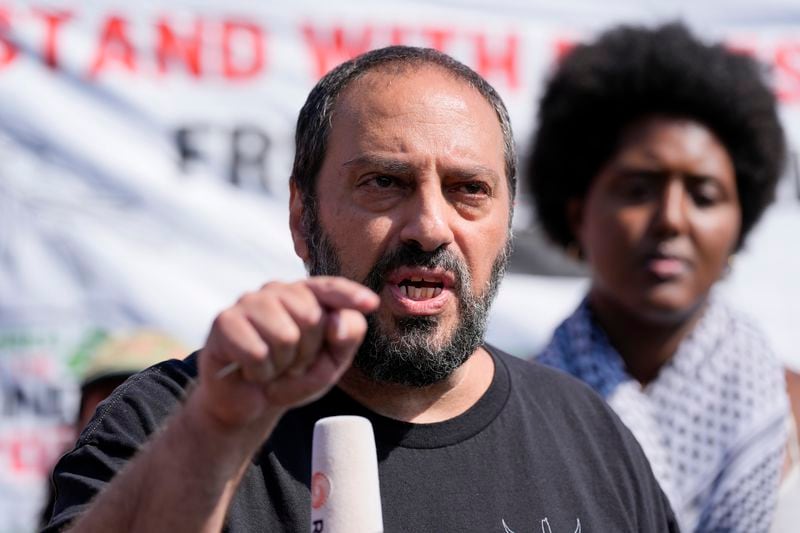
{"x":416,"y":278}
{"x":420,"y":293}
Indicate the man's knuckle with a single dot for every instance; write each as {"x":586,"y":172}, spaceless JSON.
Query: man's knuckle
{"x":255,"y":353}
{"x":246,"y":299}
{"x":309,"y":317}
{"x":270,"y":286}
{"x":225,"y":320}
{"x":287,"y":337}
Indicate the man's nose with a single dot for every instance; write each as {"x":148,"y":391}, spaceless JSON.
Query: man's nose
{"x":671,"y":216}
{"x":427,"y":219}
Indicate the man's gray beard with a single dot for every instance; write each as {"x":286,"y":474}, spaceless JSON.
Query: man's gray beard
{"x":412,"y":355}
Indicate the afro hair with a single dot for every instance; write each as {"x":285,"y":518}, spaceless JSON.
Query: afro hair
{"x":631,"y":72}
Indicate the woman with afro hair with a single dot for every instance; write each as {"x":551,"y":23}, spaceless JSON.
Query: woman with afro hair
{"x":655,"y":155}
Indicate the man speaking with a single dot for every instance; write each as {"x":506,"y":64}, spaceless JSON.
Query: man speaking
{"x":401,"y":202}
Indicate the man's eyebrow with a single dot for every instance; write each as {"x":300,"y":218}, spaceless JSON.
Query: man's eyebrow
{"x":394,"y":166}
{"x":384,"y":164}
{"x":472,"y":171}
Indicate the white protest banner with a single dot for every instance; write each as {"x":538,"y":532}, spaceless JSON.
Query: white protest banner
{"x":145,"y":149}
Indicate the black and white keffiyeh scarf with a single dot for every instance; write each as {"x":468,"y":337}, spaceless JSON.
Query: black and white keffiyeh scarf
{"x":713,"y":422}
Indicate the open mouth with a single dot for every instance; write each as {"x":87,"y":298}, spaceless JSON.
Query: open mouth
{"x":421,"y":284}
{"x":420,"y":288}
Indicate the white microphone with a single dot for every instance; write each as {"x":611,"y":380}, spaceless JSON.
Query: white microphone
{"x":345,"y":491}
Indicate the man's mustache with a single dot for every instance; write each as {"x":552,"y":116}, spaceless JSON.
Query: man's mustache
{"x":411,"y":255}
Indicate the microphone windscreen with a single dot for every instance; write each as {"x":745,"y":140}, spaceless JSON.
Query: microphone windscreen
{"x":345,"y":490}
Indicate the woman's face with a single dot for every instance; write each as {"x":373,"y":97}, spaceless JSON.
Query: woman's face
{"x":660,"y":220}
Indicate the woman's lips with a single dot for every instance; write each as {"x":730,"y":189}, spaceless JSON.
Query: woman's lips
{"x":666,"y":267}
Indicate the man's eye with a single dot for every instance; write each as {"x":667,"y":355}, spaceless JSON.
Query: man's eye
{"x":384,"y":185}
{"x":383,"y":181}
{"x":472,"y":188}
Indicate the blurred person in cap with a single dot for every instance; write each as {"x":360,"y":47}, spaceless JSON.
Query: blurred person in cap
{"x":118,"y":358}
{"x":401,"y":199}
{"x":115,"y":359}
{"x":655,"y":156}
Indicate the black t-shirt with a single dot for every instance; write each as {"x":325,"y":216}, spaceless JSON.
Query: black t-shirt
{"x":539,"y":452}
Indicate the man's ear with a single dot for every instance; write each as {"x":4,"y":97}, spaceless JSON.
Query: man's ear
{"x":296,"y":208}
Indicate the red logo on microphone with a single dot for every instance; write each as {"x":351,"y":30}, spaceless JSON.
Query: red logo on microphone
{"x":320,"y":489}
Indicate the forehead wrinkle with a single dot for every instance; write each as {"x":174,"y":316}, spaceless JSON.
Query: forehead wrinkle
{"x":363,"y":105}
